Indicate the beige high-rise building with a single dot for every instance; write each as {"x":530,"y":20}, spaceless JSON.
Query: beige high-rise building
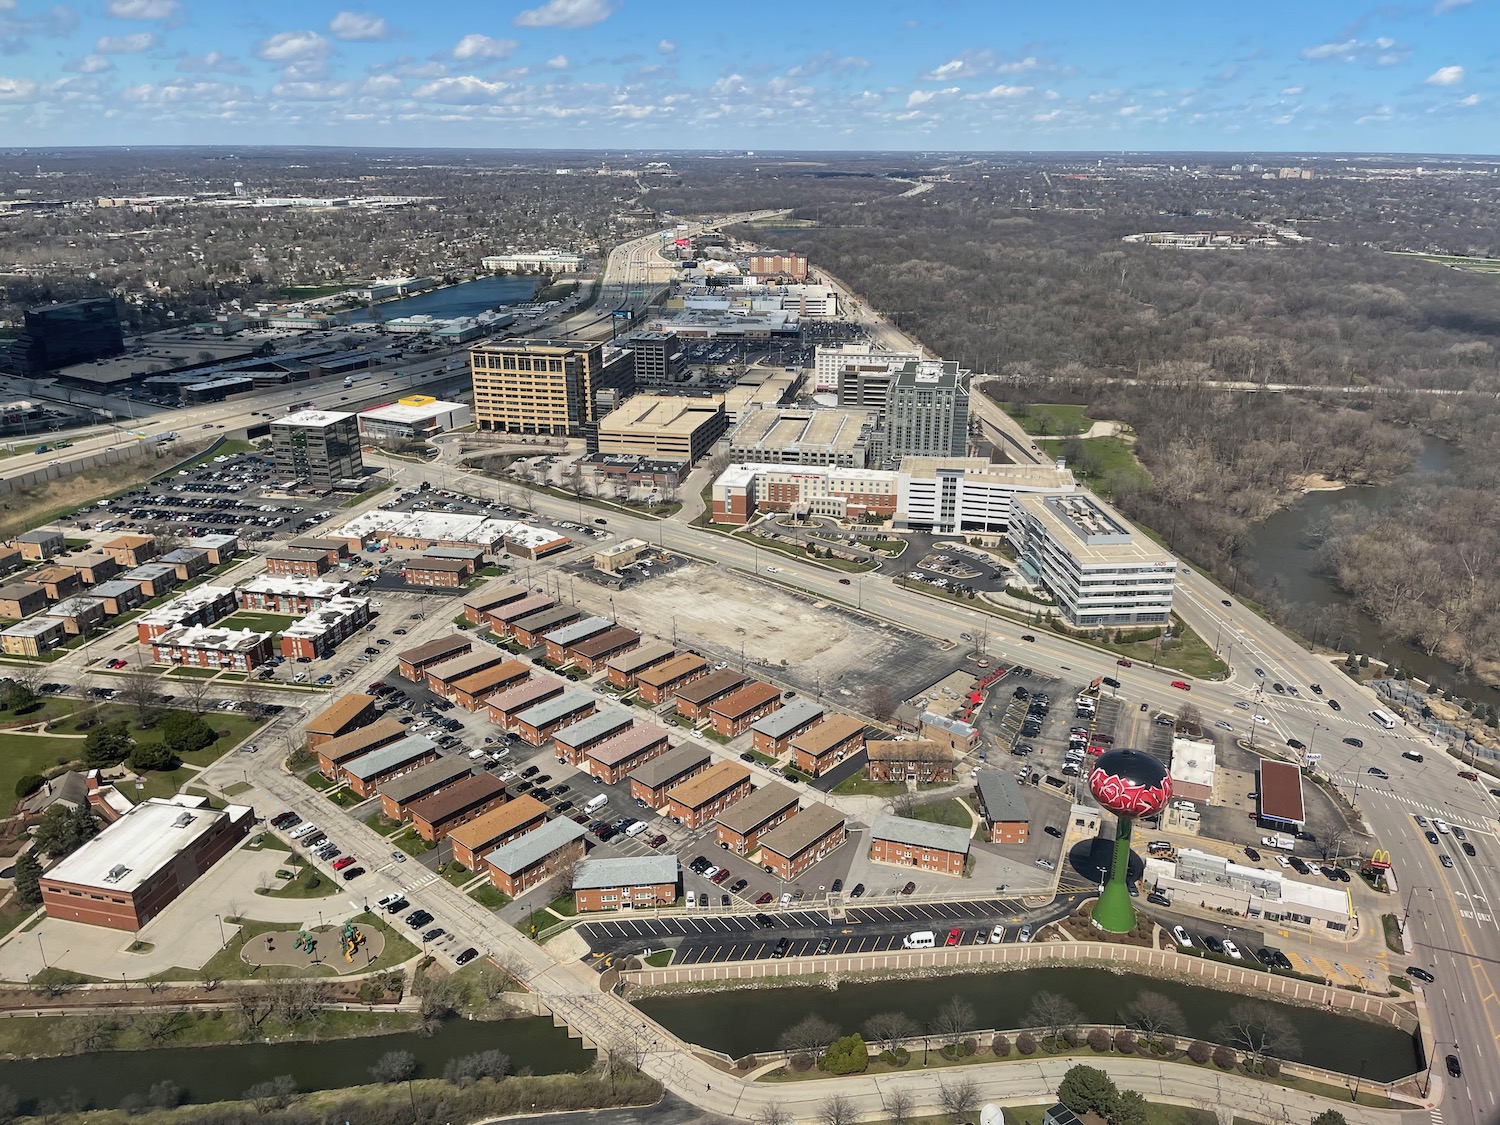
{"x":544,"y":386}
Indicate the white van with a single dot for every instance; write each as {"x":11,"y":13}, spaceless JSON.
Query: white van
{"x":692,"y":899}
{"x":596,"y":804}
{"x":636,"y":829}
{"x":922,"y":939}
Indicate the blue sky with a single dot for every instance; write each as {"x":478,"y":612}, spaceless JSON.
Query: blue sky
{"x":762,"y":74}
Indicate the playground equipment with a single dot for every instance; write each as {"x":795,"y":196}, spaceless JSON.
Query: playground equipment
{"x":354,"y":937}
{"x":305,"y":941}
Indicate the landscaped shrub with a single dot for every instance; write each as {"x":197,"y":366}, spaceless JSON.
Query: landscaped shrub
{"x":29,"y":784}
{"x":1125,"y":1042}
{"x":1199,"y":1051}
{"x":800,"y":1063}
{"x":971,"y":1047}
{"x":749,"y":1062}
{"x":1000,"y":1046}
{"x":1099,"y":1040}
{"x":1026,"y":1043}
{"x":1073,"y":1036}
{"x":1224,"y":1058}
{"x":846,"y":1055}
{"x":1165,"y":1046}
{"x":903,"y":1056}
{"x":1270,"y":1067}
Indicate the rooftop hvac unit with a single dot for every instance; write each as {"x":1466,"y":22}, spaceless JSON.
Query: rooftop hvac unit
{"x":116,"y":873}
{"x":183,"y":820}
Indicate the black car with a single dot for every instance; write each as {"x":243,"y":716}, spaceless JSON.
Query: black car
{"x":765,"y":922}
{"x":1354,"y":742}
{"x":467,"y":955}
{"x":521,"y":787}
{"x":781,"y":947}
{"x":1214,"y":944}
{"x":838,"y":885}
{"x":1282,"y":960}
{"x":353,"y":873}
{"x":1265,"y":957}
{"x":1455,"y":1070}
{"x":418,"y":919}
{"x":1022,"y":693}
{"x":1252,"y":854}
{"x":541,"y":779}
{"x":1158,"y":898}
{"x":531,"y":771}
{"x":397,"y":907}
{"x":563,"y":806}
{"x":1296,"y":744}
{"x":1376,"y":771}
{"x":434,"y":933}
{"x":1334,"y":703}
{"x":738,"y":885}
{"x":1053,"y":830}
{"x":858,"y":891}
{"x":1468,"y":848}
{"x":1278,"y":689}
{"x":747,"y":757}
{"x":1420,"y":973}
{"x":1299,"y":867}
{"x":1027,"y":637}
{"x":1432,"y":837}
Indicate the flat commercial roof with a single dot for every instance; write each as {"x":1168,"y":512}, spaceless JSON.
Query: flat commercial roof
{"x":920,"y":833}
{"x":1091,"y":532}
{"x":657,"y":772}
{"x":906,"y":750}
{"x":435,"y":650}
{"x":558,"y":707}
{"x":1000,"y":797}
{"x":626,"y":744}
{"x":599,"y":724}
{"x":1281,"y":792}
{"x":535,"y":846}
{"x":474,"y":790}
{"x":796,"y":714}
{"x":796,"y":835}
{"x":498,"y":821}
{"x":669,"y":415}
{"x":710,"y":686}
{"x":637,"y":871}
{"x":643,"y":657}
{"x":138,"y":845}
{"x":326,"y":616}
{"x":798,"y":430}
{"x":437,"y":566}
{"x":310,"y":419}
{"x":709,"y":784}
{"x":420,"y":780}
{"x":294,"y":554}
{"x":391,"y":757}
{"x":828,"y":734}
{"x":407,"y":412}
{"x":749,"y":813}
{"x":296,"y":585}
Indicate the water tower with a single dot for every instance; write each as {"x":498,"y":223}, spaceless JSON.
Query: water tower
{"x":1129,"y":784}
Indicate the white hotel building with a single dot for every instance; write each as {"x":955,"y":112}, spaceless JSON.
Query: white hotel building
{"x":951,"y":496}
{"x":1095,"y":565}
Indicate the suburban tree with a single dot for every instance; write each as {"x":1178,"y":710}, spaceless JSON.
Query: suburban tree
{"x":1053,"y":1015}
{"x":954,"y":1018}
{"x":889,"y":1028}
{"x":138,"y":689}
{"x":1130,"y":1109}
{"x":847,"y":1055}
{"x":394,"y":1066}
{"x":274,"y":1093}
{"x":152,"y":756}
{"x":91,"y":1031}
{"x":1330,"y":1117}
{"x":899,"y":1105}
{"x":483,"y":1064}
{"x":773,"y":1113}
{"x":63,"y":828}
{"x":107,"y":745}
{"x":836,"y":1110}
{"x":1153,"y":1015}
{"x":1256,"y":1030}
{"x":183,"y":733}
{"x":28,"y":878}
{"x":811,"y":1034}
{"x":1085,"y":1089}
{"x":196,"y":689}
{"x":959,"y":1097}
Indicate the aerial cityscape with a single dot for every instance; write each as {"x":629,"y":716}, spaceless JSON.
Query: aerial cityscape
{"x":801,"y":567}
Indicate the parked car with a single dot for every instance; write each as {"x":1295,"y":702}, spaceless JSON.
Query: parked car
{"x":466,"y":956}
{"x":909,"y":888}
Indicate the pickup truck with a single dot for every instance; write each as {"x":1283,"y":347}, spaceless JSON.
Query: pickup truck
{"x":1280,"y":843}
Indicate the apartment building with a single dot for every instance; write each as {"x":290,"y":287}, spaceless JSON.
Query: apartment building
{"x":825,"y":745}
{"x":939,"y":848}
{"x":812,"y":835}
{"x":699,"y":799}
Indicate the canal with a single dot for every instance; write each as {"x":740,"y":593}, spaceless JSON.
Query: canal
{"x":743,"y":1021}
{"x":468,"y":298}
{"x":208,"y":1074}
{"x":1287,"y":549}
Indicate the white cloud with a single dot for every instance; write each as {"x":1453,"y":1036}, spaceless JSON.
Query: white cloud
{"x":570,"y":14}
{"x":16,"y":89}
{"x":1383,"y":51}
{"x":91,"y":64}
{"x":972,"y":63}
{"x":922,"y":97}
{"x":311,"y":91}
{"x":463,"y":90}
{"x":358,"y":27}
{"x":1020,"y":66}
{"x":141,"y":9}
{"x":1003,"y":91}
{"x":1472,"y":99}
{"x":381,"y":86}
{"x":558,"y":62}
{"x":666,"y":47}
{"x":1293,"y":91}
{"x":190,"y":93}
{"x":125,"y":44}
{"x":1446,"y":76}
{"x":1129,"y":110}
{"x":292,"y":46}
{"x":729,"y":84}
{"x":1449,"y":6}
{"x":477,"y":46}
{"x":212,"y":62}
{"x":1378,"y":116}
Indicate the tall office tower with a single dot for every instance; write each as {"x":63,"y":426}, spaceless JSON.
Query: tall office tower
{"x":65,"y":333}
{"x":319,"y":446}
{"x":544,"y":386}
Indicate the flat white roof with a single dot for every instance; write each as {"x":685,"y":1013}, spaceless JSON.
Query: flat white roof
{"x":179,"y":607}
{"x":326,"y":616}
{"x":140,"y":843}
{"x":311,"y":419}
{"x":211,"y":638}
{"x":295,"y":584}
{"x":402,"y":413}
{"x":1193,"y":761}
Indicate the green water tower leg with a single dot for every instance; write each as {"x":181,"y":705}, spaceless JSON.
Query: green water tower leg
{"x":1114,"y":911}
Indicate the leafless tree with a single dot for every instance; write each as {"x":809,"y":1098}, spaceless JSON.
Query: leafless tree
{"x":157,"y":1025}
{"x":297,"y":999}
{"x":252,"y":696}
{"x":138,"y":689}
{"x":954,"y":1018}
{"x":836,"y":1110}
{"x":1052,"y":1014}
{"x":959,"y":1098}
{"x":1154,"y":1015}
{"x":1189,"y":717}
{"x":91,"y":1031}
{"x":196,"y":688}
{"x":774,"y":1113}
{"x":1256,"y":1030}
{"x":881,"y":702}
{"x":888,"y":1028}
{"x":899,"y":1105}
{"x":811,"y":1034}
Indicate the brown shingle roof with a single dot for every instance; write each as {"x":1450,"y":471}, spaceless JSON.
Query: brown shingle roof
{"x":745,"y":700}
{"x":709,"y":784}
{"x":673,"y":669}
{"x":340,"y":714}
{"x":498,"y":822}
{"x":827,"y":734}
{"x":357,"y":741}
{"x":710,"y":686}
{"x":438,"y":807}
{"x":436,"y":649}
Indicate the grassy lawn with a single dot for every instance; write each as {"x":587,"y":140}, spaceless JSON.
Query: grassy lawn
{"x":795,"y":552}
{"x":227,"y":965}
{"x":307,"y":883}
{"x":1048,"y":417}
{"x":318,"y":781}
{"x":1155,"y":1115}
{"x":456,"y":873}
{"x":346,"y":798}
{"x":489,"y":898}
{"x":1186,"y":652}
{"x":563,"y":905}
{"x":361,"y":497}
{"x":1105,"y":457}
{"x":892,"y":547}
{"x":1392,"y":933}
{"x":950,"y":811}
{"x":412,"y":844}
{"x":21,"y":754}
{"x":47,"y":710}
{"x":265,"y":842}
{"x":260,"y":622}
{"x":381,"y":823}
{"x":858,"y":786}
{"x":185,"y":672}
{"x":660,"y":959}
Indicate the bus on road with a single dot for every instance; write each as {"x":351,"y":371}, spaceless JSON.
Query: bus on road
{"x":1384,"y":718}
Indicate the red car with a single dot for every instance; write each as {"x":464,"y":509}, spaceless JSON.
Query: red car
{"x":763,"y":899}
{"x":906,"y":890}
{"x":955,"y":935}
{"x":1468,"y":775}
{"x":342,"y":862}
{"x":1182,"y":685}
{"x":1123,"y":663}
{"x":658,"y":840}
{"x":722,"y":877}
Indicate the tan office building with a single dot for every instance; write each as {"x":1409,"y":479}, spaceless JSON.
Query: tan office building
{"x":663,"y":427}
{"x":542,"y":386}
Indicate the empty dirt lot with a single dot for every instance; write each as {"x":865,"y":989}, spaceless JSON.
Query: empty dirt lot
{"x":790,"y":637}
